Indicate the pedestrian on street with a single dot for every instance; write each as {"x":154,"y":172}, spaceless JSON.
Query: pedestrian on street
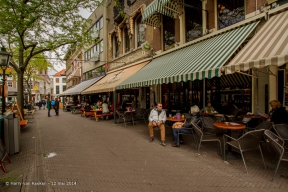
{"x":39,"y":104}
{"x":44,"y":104}
{"x":56,"y":107}
{"x":48,"y":107}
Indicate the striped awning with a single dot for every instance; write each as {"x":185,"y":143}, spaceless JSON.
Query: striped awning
{"x":152,"y":13}
{"x":235,"y":80}
{"x":111,"y":80}
{"x":201,"y":59}
{"x":81,"y":86}
{"x":268,"y":47}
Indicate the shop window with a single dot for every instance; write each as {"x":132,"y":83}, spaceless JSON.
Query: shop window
{"x":139,"y":31}
{"x":168,"y":32}
{"x":126,"y":40}
{"x":230,"y":12}
{"x":193,"y":19}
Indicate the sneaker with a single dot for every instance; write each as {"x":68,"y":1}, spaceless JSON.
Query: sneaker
{"x":175,"y":145}
{"x":181,"y":142}
{"x":151,"y":139}
{"x":162,"y":143}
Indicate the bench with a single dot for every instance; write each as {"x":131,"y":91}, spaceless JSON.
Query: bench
{"x":103,"y":115}
{"x":88,"y":113}
{"x":23,"y":123}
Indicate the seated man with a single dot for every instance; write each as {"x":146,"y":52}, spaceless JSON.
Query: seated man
{"x":157,"y":118}
{"x":207,"y":109}
{"x":179,"y":127}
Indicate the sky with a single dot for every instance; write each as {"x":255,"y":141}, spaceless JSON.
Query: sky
{"x":59,"y":66}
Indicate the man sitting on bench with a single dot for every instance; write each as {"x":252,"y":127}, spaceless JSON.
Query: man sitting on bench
{"x":87,"y":109}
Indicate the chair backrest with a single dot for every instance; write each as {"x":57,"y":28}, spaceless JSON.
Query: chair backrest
{"x":281,"y":130}
{"x":118,"y":113}
{"x":208,"y":122}
{"x":235,"y":112}
{"x":276,"y":142}
{"x":228,"y":119}
{"x":264,"y":125}
{"x":197,"y":131}
{"x":254,"y":137}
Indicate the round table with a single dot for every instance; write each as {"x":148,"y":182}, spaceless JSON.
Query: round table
{"x":228,"y":126}
{"x":175,"y":119}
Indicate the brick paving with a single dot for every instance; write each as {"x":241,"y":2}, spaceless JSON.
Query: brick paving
{"x":101,"y":156}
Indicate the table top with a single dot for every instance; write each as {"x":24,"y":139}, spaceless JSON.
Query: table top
{"x":253,"y":116}
{"x":222,"y":125}
{"x":96,"y":110}
{"x":209,"y":114}
{"x":175,"y":120}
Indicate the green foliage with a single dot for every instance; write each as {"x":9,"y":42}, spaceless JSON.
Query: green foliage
{"x":120,"y":8}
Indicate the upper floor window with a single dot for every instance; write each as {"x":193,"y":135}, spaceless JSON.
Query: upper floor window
{"x":115,"y":46}
{"x":230,"y":12}
{"x":57,"y":89}
{"x":10,"y":84}
{"x":193,"y":19}
{"x":64,"y":88}
{"x":168,"y":32}
{"x":139,"y":31}
{"x":63,"y":80}
{"x":93,"y":52}
{"x":126,"y":40}
{"x":57,"y":80}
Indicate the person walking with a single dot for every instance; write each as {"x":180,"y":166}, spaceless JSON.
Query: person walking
{"x":48,"y":106}
{"x":39,"y":104}
{"x":56,"y":106}
{"x":44,"y":104}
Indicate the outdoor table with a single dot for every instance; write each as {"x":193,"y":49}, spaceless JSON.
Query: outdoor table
{"x":172,"y":119}
{"x":234,"y":126}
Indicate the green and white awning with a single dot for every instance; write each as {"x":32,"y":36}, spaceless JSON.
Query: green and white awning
{"x":152,"y":13}
{"x":201,"y":59}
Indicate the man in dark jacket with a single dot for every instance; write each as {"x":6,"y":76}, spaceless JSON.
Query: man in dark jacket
{"x":48,"y":106}
{"x":56,"y":106}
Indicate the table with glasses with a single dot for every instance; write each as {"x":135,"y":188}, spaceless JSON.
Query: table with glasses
{"x":229,"y":126}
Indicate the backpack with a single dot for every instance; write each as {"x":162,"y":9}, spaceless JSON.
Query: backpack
{"x":53,"y":102}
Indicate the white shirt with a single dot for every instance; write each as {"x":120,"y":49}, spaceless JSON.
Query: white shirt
{"x":105,"y":108}
{"x":194,"y":109}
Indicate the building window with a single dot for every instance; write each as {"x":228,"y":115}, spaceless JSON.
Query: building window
{"x":10,"y":84}
{"x":193,"y":19}
{"x":64,"y":88}
{"x":115,"y":46}
{"x":126,"y":40}
{"x":230,"y":12}
{"x":94,"y":51}
{"x":139,"y":31}
{"x":57,"y":89}
{"x":57,"y":80}
{"x":63,"y":80}
{"x":168,"y":32}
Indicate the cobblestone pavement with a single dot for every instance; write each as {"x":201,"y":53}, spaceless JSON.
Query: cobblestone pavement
{"x":101,"y":156}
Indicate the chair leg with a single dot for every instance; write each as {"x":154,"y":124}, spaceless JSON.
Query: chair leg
{"x":178,"y":137}
{"x":276,"y":168}
{"x":220,"y":151}
{"x":262,"y":156}
{"x":243,"y":161}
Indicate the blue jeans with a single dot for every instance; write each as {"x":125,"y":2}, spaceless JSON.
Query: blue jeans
{"x":181,"y":130}
{"x":48,"y":112}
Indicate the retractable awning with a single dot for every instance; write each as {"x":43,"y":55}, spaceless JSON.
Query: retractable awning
{"x":111,"y":80}
{"x":81,"y":86}
{"x":152,"y":13}
{"x":268,"y":47}
{"x":201,"y":59}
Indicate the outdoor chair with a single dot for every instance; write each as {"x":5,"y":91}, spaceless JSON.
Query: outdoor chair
{"x":277,"y":144}
{"x":250,"y":141}
{"x":200,"y":137}
{"x":143,"y":115}
{"x":208,"y":127}
{"x":282,"y":131}
{"x":126,"y":117}
{"x":191,"y":129}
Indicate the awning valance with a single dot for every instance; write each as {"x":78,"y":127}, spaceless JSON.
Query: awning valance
{"x":152,"y":13}
{"x":81,"y":86}
{"x":111,"y":80}
{"x":268,"y":47}
{"x":203,"y":59}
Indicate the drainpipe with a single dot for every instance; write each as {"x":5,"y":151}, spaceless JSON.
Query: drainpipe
{"x":114,"y":98}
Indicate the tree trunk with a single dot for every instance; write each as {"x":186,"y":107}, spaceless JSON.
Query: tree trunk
{"x":20,"y":91}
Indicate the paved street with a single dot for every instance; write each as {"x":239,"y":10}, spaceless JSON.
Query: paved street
{"x":100,"y":156}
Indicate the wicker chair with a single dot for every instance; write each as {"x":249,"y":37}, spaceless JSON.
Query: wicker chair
{"x":200,"y":137}
{"x":250,"y":141}
{"x":277,"y":144}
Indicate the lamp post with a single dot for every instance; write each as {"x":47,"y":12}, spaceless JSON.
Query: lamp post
{"x":4,"y":62}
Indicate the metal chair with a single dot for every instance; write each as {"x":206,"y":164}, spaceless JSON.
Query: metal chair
{"x":250,"y":141}
{"x":264,"y":125}
{"x":282,"y":131}
{"x":200,"y":137}
{"x":188,"y":128}
{"x":277,"y":144}
{"x":208,"y":126}
{"x":126,"y":117}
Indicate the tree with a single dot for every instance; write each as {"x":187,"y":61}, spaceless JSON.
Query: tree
{"x":36,"y":66}
{"x":38,"y":26}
